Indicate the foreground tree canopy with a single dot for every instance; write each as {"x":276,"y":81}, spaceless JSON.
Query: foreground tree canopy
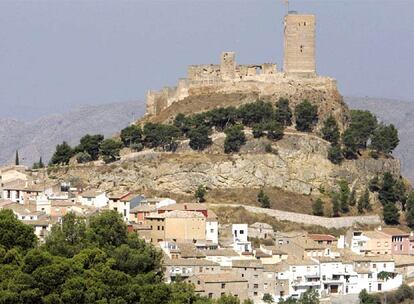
{"x":79,"y":263}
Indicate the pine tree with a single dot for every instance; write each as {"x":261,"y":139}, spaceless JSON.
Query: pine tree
{"x":330,"y":130}
{"x":200,"y":194}
{"x":317,"y":207}
{"x":391,"y":214}
{"x":409,"y":217}
{"x":410,"y":201}
{"x":16,"y":161}
{"x":386,"y":193}
{"x":283,"y":113}
{"x":263,"y":199}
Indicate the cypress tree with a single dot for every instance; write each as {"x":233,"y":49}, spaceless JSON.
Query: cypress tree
{"x":360,"y":205}
{"x":366,"y":204}
{"x":344,"y":196}
{"x":352,"y":198}
{"x":41,"y":164}
{"x":16,"y":161}
{"x":335,"y":205}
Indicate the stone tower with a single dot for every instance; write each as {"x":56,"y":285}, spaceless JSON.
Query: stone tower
{"x":228,"y":65}
{"x":299,"y":45}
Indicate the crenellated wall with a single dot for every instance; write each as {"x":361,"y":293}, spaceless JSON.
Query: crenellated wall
{"x":230,"y":77}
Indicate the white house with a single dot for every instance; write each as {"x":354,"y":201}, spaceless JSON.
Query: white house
{"x":94,"y":198}
{"x":43,"y":204}
{"x":377,"y":274}
{"x":240,"y":238}
{"x":212,"y":227}
{"x":120,"y":202}
{"x":337,"y":276}
{"x":356,"y":241}
{"x":223,"y":257}
{"x":303,"y":275}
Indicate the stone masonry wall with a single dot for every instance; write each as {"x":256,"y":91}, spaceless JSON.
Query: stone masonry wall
{"x":337,"y":222}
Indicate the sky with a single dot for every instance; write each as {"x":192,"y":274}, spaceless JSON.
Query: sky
{"x":59,"y":55}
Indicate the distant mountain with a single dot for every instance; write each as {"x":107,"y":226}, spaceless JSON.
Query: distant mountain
{"x":401,"y":114}
{"x":40,"y":137}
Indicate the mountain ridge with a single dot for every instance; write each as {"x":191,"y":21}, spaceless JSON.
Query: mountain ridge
{"x":38,"y":138}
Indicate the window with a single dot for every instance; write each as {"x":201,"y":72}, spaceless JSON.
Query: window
{"x":210,"y":295}
{"x":198,"y":282}
{"x":293,"y":269}
{"x":255,"y":293}
{"x":124,"y":212}
{"x":255,"y":286}
{"x":223,"y":285}
{"x":211,"y":230}
{"x":241,"y":231}
{"x":374,"y":265}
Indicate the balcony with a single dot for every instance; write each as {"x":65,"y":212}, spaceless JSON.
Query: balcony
{"x":306,"y":283}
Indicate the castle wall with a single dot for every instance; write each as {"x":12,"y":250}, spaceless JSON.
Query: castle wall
{"x":299,"y":44}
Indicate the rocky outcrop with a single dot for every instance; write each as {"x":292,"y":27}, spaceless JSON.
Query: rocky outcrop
{"x":299,"y":163}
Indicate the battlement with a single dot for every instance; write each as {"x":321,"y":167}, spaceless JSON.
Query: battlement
{"x":228,"y":70}
{"x":228,"y":76}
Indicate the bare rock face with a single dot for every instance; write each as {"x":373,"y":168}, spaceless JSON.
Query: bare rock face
{"x":299,"y":164}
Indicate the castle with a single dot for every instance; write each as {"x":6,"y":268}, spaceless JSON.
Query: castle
{"x":299,"y":70}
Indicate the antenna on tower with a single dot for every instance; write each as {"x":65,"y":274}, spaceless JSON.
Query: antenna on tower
{"x":287,"y":6}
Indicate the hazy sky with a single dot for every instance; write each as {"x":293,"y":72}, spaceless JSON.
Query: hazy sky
{"x":55,"y":55}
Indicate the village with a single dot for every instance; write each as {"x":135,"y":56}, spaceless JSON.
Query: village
{"x":219,"y":258}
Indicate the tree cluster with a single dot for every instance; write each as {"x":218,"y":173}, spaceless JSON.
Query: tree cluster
{"x":90,"y":148}
{"x":345,"y":199}
{"x":363,"y":132}
{"x":391,"y":193}
{"x":81,"y":263}
{"x":404,"y":294}
{"x":264,"y":119}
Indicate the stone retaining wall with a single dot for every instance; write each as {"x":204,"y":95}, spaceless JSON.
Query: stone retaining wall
{"x":338,"y":222}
